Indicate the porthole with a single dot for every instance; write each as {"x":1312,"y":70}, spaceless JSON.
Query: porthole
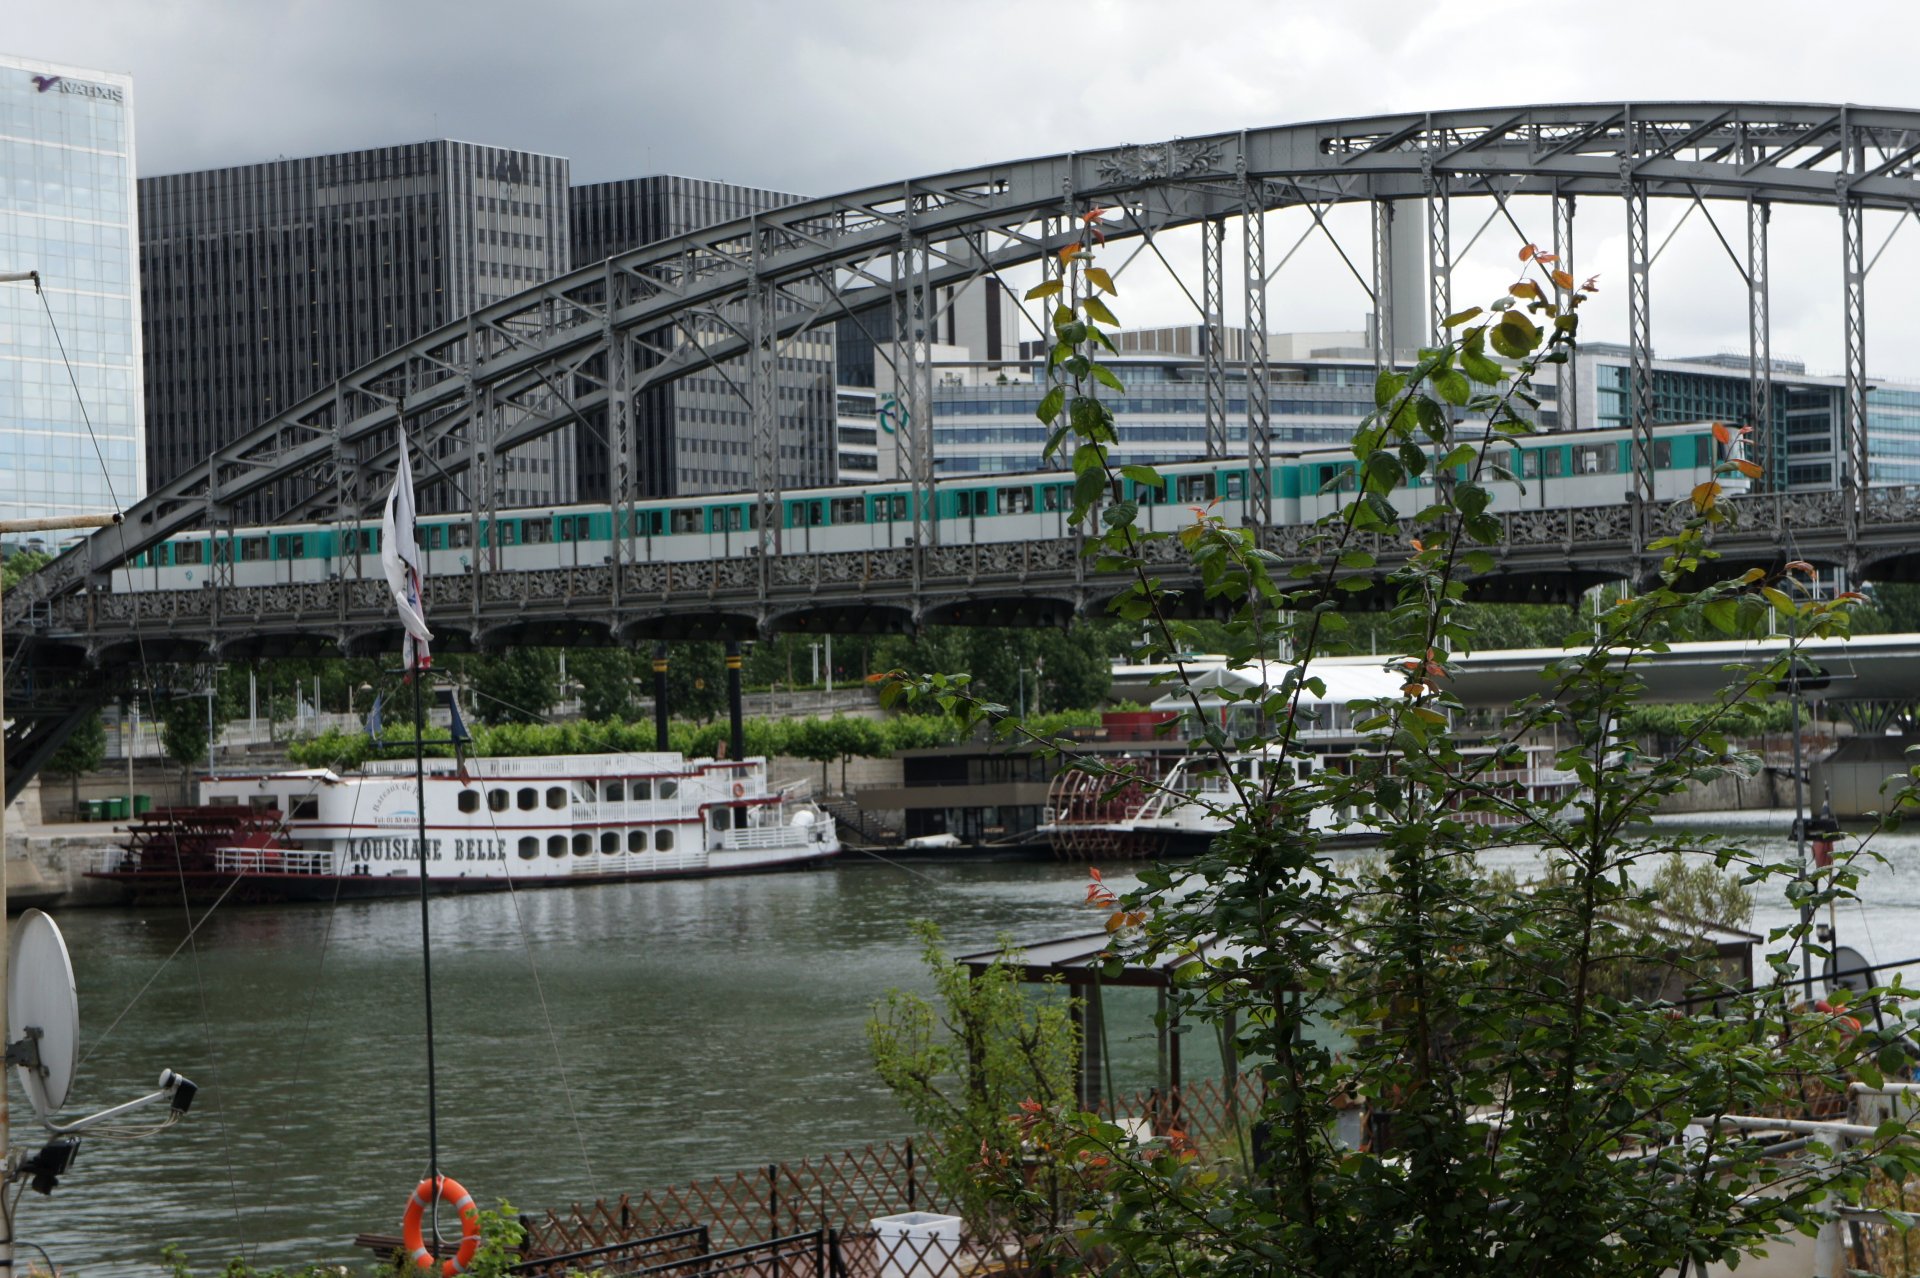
{"x":529,"y":848}
{"x":610,"y":842}
{"x":636,"y":840}
{"x":528,"y":799}
{"x":582,"y":844}
{"x":663,"y":840}
{"x":469,"y":801}
{"x":557,"y":845}
{"x":556,"y":796}
{"x":498,"y":800}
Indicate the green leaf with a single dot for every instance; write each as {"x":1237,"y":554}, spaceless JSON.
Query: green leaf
{"x":1098,"y":277}
{"x":1051,"y":403}
{"x":1143,"y":475}
{"x":1104,"y":375}
{"x":1723,"y":615}
{"x":1460,"y":317}
{"x":1357,"y":559}
{"x":1387,"y":386}
{"x":1044,"y":289}
{"x":1097,"y":309}
{"x":1452,"y":387}
{"x":1120,"y":514}
{"x":1481,"y":369}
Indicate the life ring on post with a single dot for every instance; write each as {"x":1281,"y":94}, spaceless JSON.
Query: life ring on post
{"x":739,"y":788}
{"x":453,"y":1192}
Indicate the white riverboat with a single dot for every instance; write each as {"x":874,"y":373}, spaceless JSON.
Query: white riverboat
{"x":312,"y":834}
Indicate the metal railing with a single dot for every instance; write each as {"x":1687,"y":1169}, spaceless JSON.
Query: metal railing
{"x":271,"y":861}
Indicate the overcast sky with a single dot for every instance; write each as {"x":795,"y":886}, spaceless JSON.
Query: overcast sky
{"x":819,"y":96}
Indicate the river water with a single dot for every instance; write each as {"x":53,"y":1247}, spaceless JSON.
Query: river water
{"x":675,"y":1031}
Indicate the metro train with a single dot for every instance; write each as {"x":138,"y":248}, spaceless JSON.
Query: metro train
{"x":1585,"y":468}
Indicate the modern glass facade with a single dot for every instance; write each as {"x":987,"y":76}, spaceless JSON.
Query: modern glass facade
{"x":68,"y":211}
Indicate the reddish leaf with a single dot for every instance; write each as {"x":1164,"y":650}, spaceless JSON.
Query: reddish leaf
{"x":1528,"y":253}
{"x":1721,"y":433}
{"x":1562,"y":279}
{"x":1750,"y":469}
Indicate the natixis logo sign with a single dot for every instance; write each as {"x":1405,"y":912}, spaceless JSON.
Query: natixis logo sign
{"x":78,"y":88}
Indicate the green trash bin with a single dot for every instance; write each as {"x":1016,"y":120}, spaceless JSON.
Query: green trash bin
{"x":93,"y":810}
{"x":142,"y":804}
{"x":117,"y":808}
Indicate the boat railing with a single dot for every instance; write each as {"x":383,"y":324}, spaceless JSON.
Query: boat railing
{"x":271,"y":861}
{"x":639,"y":811}
{"x":775,"y":836}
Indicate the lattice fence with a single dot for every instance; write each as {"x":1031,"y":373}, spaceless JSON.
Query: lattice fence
{"x":842,"y":1192}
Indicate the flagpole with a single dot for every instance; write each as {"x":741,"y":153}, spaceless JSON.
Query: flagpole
{"x":418,"y":676}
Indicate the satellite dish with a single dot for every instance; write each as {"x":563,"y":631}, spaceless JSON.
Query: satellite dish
{"x":43,"y":1008}
{"x":1848,"y":969}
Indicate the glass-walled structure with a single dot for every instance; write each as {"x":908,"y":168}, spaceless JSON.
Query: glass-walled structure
{"x":68,"y":211}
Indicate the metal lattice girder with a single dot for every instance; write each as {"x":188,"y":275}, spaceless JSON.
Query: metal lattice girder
{"x":1566,"y":377}
{"x":763,"y":408}
{"x":623,"y":445}
{"x":1853,"y":267}
{"x":1382,"y":216}
{"x":1641,"y":403}
{"x":1213,"y":320}
{"x":1258,"y":390}
{"x":913,"y":375}
{"x":1439,"y":259}
{"x":1767,"y":451}
{"x":554,"y":335}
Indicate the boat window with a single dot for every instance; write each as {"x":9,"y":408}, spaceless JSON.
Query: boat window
{"x":582,"y":844}
{"x":614,"y":792}
{"x":556,"y":796}
{"x":663,"y":840}
{"x":641,"y":791}
{"x":556,"y":845}
{"x":469,"y":801}
{"x":528,"y":799}
{"x":722,"y":818}
{"x":610,"y":842}
{"x":668,"y":789}
{"x":1306,"y":768}
{"x":263,"y":802}
{"x":498,"y":799}
{"x":636,"y":840}
{"x":529,"y":848}
{"x":224,"y":801}
{"x":306,"y":809}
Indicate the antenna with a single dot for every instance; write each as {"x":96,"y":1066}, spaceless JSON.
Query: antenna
{"x":43,"y":1033}
{"x":43,"y":1013}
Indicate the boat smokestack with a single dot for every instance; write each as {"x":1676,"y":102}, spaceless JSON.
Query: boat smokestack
{"x":660,"y":697}
{"x":737,"y":735}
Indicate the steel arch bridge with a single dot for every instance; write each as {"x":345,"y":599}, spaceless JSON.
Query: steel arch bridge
{"x":583,"y":345}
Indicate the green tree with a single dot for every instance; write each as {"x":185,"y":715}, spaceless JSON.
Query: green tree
{"x":19,"y":564}
{"x":606,"y":677}
{"x":516,"y":686}
{"x":1528,"y":1108}
{"x":82,"y":752}
{"x":962,"y":1064}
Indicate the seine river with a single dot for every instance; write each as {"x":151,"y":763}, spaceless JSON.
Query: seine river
{"x":675,"y":1031}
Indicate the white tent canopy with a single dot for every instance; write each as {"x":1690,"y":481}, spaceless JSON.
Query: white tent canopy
{"x":1345,"y":681}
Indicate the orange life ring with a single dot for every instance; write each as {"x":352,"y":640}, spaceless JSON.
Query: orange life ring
{"x":450,"y":1191}
{"x":739,"y":788}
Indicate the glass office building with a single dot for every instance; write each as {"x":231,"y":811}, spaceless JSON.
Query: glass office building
{"x":67,"y":210}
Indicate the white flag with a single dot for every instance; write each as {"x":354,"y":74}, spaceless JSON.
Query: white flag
{"x":400,"y":556}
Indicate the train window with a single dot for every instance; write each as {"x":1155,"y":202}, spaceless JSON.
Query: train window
{"x":503,"y":532}
{"x":731,"y":518}
{"x":1662,"y":454}
{"x":1596,"y":459}
{"x":253,"y":549}
{"x":1054,"y":497}
{"x":573,"y":527}
{"x":529,"y":848}
{"x":650,"y":522}
{"x":890,"y":508}
{"x":1544,"y":463}
{"x":188,"y":552}
{"x":459,"y":535}
{"x":1197,"y":488}
{"x":976,"y":502}
{"x":1236,"y":485}
{"x":289,"y":546}
{"x":1015,"y":501}
{"x":849,"y":510}
{"x":811,"y":513}
{"x":534,"y":532}
{"x":689,"y":521}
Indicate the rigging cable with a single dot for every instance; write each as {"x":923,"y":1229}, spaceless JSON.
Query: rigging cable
{"x":206,"y":1023}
